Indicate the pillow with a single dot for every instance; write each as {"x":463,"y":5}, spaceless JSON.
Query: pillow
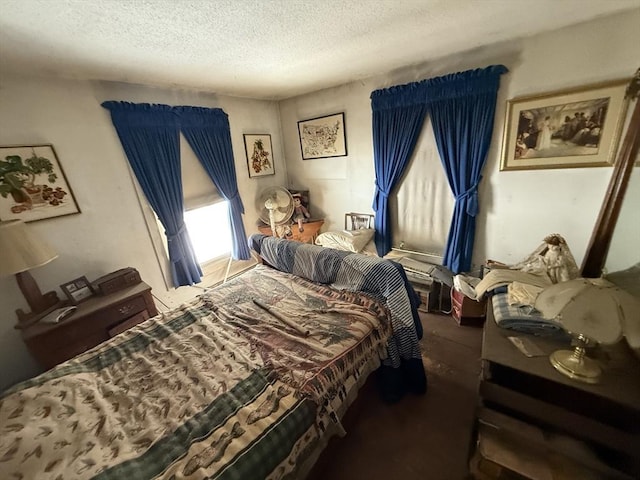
{"x":349,"y":240}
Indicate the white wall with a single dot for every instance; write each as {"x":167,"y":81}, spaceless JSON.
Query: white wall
{"x":110,"y":233}
{"x":518,"y":208}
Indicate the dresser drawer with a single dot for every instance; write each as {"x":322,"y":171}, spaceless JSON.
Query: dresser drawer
{"x":124,"y":310}
{"x":128,"y":323}
{"x":50,"y":357}
{"x":68,"y":333}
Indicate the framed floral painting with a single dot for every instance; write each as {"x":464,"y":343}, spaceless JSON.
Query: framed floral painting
{"x":33,"y":185}
{"x":259,"y":155}
{"x":579,"y":127}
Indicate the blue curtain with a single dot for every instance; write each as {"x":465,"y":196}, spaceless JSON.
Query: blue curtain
{"x":395,"y":132}
{"x":207,"y":131}
{"x":150,"y":137}
{"x":462,"y":119}
{"x":462,"y":108}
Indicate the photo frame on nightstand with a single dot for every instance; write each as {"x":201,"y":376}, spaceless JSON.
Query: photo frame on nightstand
{"x":78,"y":290}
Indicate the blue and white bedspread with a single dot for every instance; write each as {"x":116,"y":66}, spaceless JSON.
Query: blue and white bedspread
{"x":382,"y":279}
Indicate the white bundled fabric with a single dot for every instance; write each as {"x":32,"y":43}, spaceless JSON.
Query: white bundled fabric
{"x":552,"y":258}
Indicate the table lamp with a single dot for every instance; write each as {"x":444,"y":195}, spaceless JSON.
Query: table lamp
{"x":20,"y":251}
{"x":593,"y":309}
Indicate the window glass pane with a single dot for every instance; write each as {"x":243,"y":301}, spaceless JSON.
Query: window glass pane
{"x":209,"y":231}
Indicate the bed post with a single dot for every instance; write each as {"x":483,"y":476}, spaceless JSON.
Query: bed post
{"x":598,"y":247}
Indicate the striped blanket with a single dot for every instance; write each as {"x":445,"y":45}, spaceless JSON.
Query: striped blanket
{"x":380,"y":278}
{"x":523,"y":318}
{"x":219,"y":388}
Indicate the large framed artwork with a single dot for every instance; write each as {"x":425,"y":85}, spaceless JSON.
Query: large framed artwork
{"x":323,"y":137}
{"x":259,"y":154}
{"x":33,"y":185}
{"x":580,"y":127}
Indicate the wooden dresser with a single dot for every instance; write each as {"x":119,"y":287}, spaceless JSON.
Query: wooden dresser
{"x":311,"y":231}
{"x":95,"y":321}
{"x":533,"y":415}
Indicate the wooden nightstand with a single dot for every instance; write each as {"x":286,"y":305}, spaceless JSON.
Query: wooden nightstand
{"x":95,"y":321}
{"x":311,"y":231}
{"x":528,"y":410}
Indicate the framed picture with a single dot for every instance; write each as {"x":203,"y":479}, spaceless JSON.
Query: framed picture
{"x":32,"y":184}
{"x":259,"y":155}
{"x":77,"y":290}
{"x":580,"y":127}
{"x":323,"y":137}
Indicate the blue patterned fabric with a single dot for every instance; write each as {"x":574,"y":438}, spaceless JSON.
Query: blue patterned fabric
{"x":377,"y":277}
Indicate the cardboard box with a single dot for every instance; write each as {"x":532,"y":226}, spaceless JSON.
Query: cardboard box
{"x":467,"y":311}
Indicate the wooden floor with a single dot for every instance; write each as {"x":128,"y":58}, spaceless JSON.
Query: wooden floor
{"x":420,"y":437}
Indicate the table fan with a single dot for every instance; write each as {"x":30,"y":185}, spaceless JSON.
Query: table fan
{"x":275,"y":207}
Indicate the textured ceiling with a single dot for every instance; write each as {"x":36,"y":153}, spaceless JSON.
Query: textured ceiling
{"x":263,"y":48}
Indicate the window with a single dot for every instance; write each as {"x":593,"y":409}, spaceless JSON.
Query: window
{"x":209,"y":230}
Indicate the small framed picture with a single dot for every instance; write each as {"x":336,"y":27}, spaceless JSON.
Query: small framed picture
{"x":77,"y":290}
{"x":259,"y":155}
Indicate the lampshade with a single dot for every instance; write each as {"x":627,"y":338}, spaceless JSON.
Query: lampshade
{"x":21,"y":249}
{"x":592,"y":309}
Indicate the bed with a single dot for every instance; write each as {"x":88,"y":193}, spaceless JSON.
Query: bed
{"x":402,"y":370}
{"x":247,"y":381}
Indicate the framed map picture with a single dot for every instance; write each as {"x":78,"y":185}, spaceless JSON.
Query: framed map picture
{"x":33,"y":185}
{"x":323,"y":137}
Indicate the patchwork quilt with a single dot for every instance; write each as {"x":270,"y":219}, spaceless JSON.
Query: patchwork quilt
{"x":223,"y":387}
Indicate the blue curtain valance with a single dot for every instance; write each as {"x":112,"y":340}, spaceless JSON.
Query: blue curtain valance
{"x":446,"y":87}
{"x":138,"y":114}
{"x":202,"y":117}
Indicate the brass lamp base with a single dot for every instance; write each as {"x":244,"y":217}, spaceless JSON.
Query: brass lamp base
{"x":574,"y":364}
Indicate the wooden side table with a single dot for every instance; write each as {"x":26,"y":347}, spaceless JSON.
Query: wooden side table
{"x":526,"y":403}
{"x":311,"y":231}
{"x":94,"y":321}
